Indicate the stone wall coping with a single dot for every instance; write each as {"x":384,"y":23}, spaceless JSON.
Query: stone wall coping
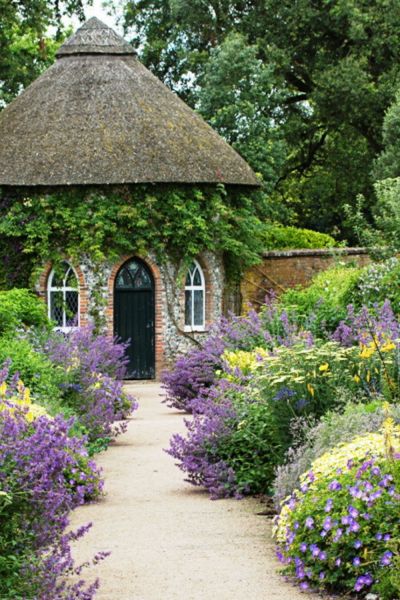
{"x":328,"y":252}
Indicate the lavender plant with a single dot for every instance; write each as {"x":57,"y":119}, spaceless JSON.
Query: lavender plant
{"x":44,"y":473}
{"x":94,"y":366}
{"x":196,"y":371}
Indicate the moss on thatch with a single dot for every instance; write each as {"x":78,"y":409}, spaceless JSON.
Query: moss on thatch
{"x":98,"y":116}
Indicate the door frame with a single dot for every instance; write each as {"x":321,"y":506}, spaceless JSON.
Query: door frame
{"x":159,"y":294}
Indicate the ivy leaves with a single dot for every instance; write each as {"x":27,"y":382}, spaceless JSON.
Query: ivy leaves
{"x":175,"y":222}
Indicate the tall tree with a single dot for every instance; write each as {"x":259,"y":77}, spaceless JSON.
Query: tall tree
{"x":26,"y":46}
{"x":335,"y":64}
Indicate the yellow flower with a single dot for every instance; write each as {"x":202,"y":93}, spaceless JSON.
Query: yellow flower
{"x":388,"y":346}
{"x":3,"y":389}
{"x":310,"y":389}
{"x":324,"y":367}
{"x":356,"y":378}
{"x":367,"y":351}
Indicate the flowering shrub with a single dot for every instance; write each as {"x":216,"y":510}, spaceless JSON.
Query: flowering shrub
{"x":196,"y":371}
{"x":341,"y":529}
{"x":314,"y":440}
{"x":228,"y":448}
{"x":93,"y":386}
{"x":321,"y":305}
{"x":380,"y":282}
{"x":44,"y":473}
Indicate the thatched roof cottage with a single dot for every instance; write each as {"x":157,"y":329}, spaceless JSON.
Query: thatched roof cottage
{"x":98,"y":117}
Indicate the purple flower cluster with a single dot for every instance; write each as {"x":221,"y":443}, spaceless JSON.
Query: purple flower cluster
{"x":197,"y":453}
{"x":45,"y":474}
{"x":195,"y":372}
{"x":95,"y":366}
{"x":379,"y":322}
{"x":343,"y":527}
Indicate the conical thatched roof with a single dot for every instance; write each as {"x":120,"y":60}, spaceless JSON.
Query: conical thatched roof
{"x":98,"y":116}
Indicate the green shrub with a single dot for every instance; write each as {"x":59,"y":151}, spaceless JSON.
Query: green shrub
{"x":251,"y":450}
{"x":380,"y":282}
{"x":35,"y":370}
{"x":322,"y":305}
{"x":20,"y":307}
{"x":279,"y":237}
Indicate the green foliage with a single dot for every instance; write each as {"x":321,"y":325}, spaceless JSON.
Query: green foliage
{"x":320,"y":115}
{"x":277,"y":237}
{"x":34,"y":369}
{"x":251,"y":450}
{"x":387,"y":164}
{"x":21,"y":308}
{"x":238,"y":98}
{"x":172,"y":221}
{"x":26,"y":48}
{"x":380,"y":281}
{"x":327,"y":297}
{"x":344,"y":524}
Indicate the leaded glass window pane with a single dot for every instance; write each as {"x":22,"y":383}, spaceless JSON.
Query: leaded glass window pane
{"x":71,"y":308}
{"x":197,"y":278}
{"x":194,"y":297}
{"x":56,"y":308}
{"x":188,"y":308}
{"x":142,"y":279}
{"x":134,"y":276}
{"x":71,"y":279}
{"x":198,"y":305}
{"x":63,"y":297}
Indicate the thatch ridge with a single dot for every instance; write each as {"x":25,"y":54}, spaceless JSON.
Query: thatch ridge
{"x":103,"y":118}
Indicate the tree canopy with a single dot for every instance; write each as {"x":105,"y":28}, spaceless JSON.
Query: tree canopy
{"x":26,"y":46}
{"x":300,"y":88}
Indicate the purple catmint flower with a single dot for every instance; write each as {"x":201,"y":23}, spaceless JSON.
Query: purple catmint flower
{"x":309,"y":523}
{"x":353,"y":512}
{"x":335,"y":485}
{"x":356,"y":561}
{"x":55,"y":475}
{"x":304,"y":585}
{"x":338,"y":534}
{"x":327,"y":524}
{"x":386,"y":558}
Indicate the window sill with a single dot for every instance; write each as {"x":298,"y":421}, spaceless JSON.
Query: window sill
{"x":198,"y":329}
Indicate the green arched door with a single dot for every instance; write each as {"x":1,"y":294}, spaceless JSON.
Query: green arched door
{"x":134,"y":317}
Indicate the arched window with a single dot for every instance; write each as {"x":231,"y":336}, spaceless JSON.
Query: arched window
{"x":194,"y":298}
{"x":63,"y":297}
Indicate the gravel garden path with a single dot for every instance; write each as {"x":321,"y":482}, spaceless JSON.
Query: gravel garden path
{"x":168,"y":540}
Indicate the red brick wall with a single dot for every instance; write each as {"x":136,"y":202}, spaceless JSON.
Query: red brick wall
{"x":285,"y":269}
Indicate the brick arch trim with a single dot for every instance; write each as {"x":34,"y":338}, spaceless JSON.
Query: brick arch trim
{"x":43,"y":283}
{"x":159,"y":302}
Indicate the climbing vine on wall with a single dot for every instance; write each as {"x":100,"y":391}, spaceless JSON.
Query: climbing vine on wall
{"x":174,"y":222}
